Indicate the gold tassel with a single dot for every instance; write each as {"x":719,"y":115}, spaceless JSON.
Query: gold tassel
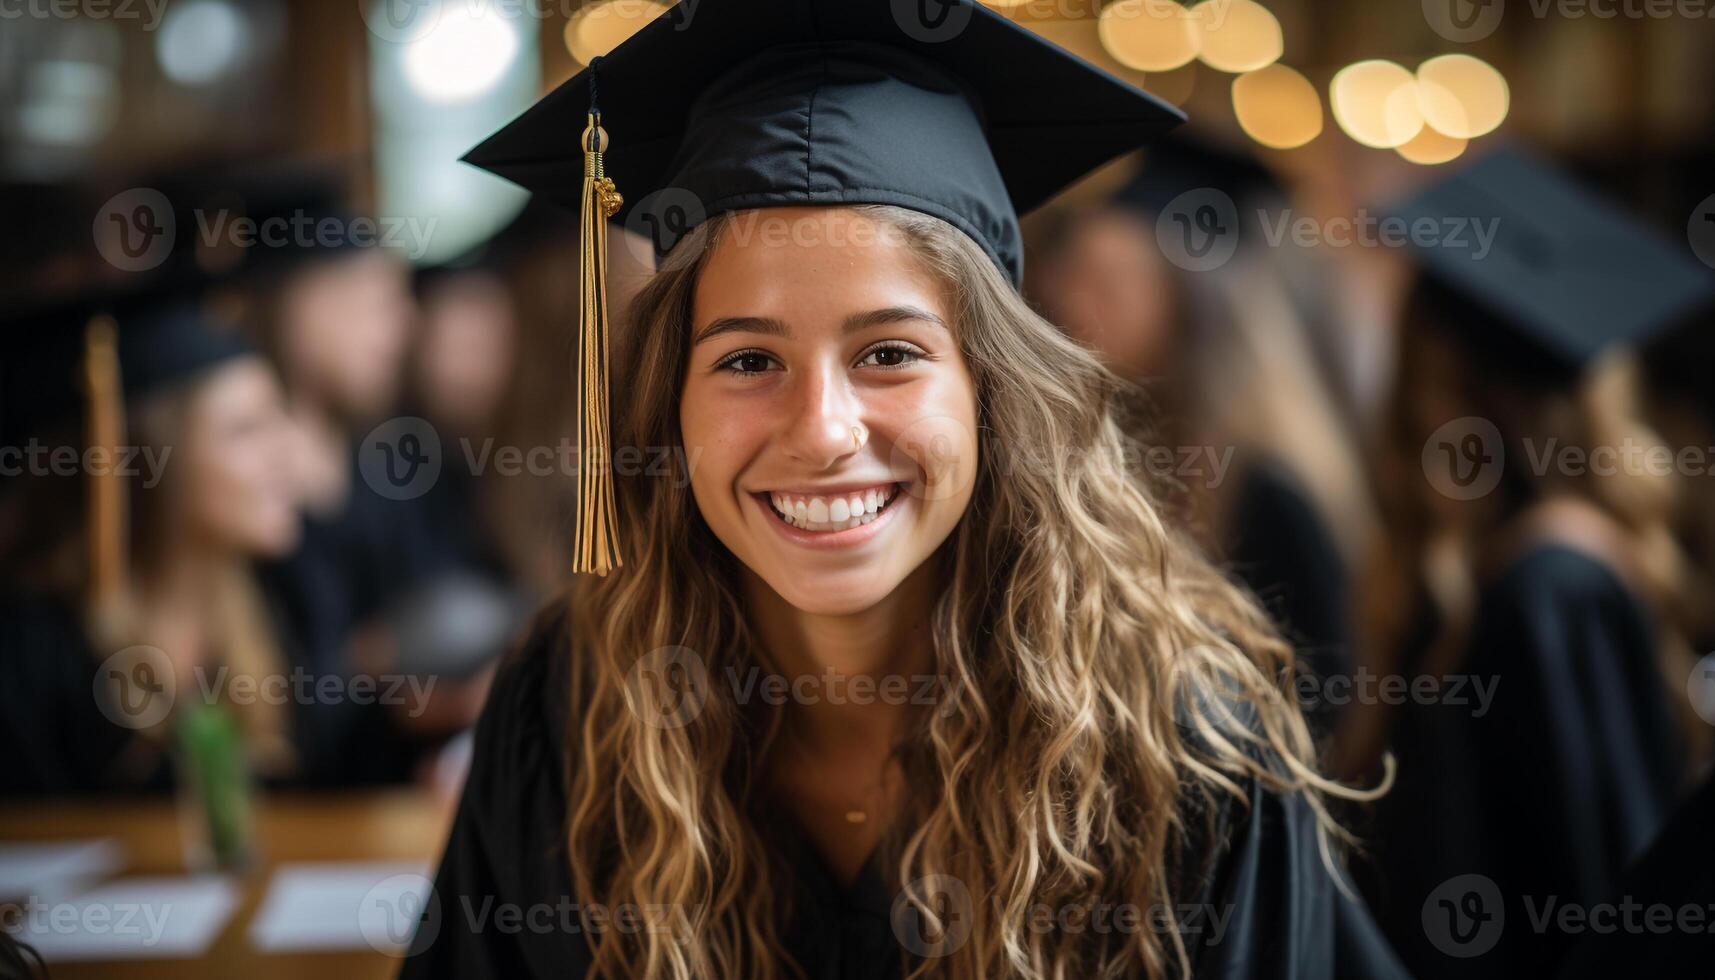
{"x":105,"y":429}
{"x":595,"y":545}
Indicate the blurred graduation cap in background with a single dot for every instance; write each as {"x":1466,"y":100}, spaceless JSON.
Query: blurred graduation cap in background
{"x":1187,"y":162}
{"x":727,"y":105}
{"x":71,"y":368}
{"x":1566,"y":275}
{"x":255,"y":220}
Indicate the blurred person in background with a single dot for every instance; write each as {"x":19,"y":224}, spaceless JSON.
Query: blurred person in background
{"x":152,"y":550}
{"x":1551,"y":593}
{"x":1681,"y":406}
{"x":1263,"y":456}
{"x":336,"y":314}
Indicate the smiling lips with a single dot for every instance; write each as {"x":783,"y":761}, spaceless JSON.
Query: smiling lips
{"x":833,"y":512}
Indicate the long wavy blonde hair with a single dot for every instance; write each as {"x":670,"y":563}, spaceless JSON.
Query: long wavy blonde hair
{"x":1082,"y":641}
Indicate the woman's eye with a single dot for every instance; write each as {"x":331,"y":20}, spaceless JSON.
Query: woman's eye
{"x":890,"y":356}
{"x":746,"y":362}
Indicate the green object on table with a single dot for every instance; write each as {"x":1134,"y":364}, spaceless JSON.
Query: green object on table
{"x":216,"y":777}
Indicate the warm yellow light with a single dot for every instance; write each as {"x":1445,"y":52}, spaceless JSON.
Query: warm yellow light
{"x":1148,"y":35}
{"x":1375,"y":102}
{"x":1277,"y":107}
{"x":1430,"y":146}
{"x":1461,"y":96}
{"x":600,"y":27}
{"x":1236,"y":35}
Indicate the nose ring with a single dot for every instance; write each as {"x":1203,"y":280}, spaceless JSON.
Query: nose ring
{"x":859,"y":435}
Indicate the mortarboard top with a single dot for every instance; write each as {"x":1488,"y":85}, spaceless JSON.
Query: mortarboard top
{"x":737,"y":104}
{"x":164,"y":335}
{"x":1566,"y":276}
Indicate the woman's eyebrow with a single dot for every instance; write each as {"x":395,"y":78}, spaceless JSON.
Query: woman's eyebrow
{"x":891,"y":314}
{"x":748,"y":324}
{"x":776,"y":328}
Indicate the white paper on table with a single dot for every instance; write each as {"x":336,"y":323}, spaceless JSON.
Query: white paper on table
{"x":132,"y":919}
{"x":341,"y":905}
{"x":53,"y":870}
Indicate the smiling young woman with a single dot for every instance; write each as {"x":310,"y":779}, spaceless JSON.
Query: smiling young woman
{"x":903,"y":674}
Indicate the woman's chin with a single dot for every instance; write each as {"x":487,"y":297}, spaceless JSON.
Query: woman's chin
{"x":844,"y":594}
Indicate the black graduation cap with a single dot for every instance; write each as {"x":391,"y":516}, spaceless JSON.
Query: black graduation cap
{"x":964,"y":115}
{"x":1565,"y":276}
{"x":82,"y":361}
{"x":160,"y":336}
{"x":1186,"y":162}
{"x":258,"y":219}
{"x":728,"y":105}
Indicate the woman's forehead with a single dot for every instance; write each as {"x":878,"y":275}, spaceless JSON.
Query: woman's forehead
{"x":792,"y":263}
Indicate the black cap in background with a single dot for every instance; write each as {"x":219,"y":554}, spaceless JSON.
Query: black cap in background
{"x":1566,"y":276}
{"x":165,"y":335}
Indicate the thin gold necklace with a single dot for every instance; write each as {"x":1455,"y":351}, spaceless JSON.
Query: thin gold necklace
{"x":853,"y":815}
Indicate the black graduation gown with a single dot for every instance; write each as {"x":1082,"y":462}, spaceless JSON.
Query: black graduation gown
{"x":348,"y":569}
{"x":1546,"y":794}
{"x":58,"y":742}
{"x":1275,"y":910}
{"x":1664,"y":907}
{"x":1281,"y":549}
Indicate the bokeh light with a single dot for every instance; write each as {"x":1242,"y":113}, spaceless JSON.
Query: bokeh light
{"x":1461,"y":96}
{"x":1148,"y":35}
{"x":202,"y":41}
{"x":465,"y":55}
{"x":1375,"y":102}
{"x":1277,"y":106}
{"x":1237,"y":35}
{"x":1431,"y":147}
{"x":595,"y":30}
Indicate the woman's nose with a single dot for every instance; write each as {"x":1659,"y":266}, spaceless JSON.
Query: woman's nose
{"x":826,"y":417}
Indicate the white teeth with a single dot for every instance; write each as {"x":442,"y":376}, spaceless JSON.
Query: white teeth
{"x":837,"y":514}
